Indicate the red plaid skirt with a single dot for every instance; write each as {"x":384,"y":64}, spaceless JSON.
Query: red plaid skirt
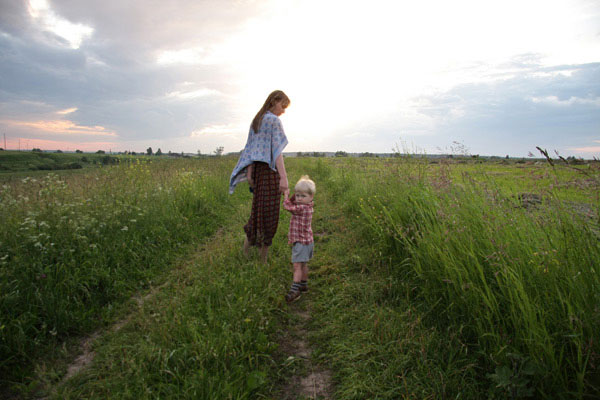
{"x":264,"y":217}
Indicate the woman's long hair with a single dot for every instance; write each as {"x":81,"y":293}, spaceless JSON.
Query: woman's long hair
{"x":273,"y":98}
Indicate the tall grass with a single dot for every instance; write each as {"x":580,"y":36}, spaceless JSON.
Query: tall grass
{"x":73,"y":248}
{"x":520,"y":283}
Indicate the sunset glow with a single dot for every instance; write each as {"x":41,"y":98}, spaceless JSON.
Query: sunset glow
{"x":499,"y":77}
{"x":62,"y":127}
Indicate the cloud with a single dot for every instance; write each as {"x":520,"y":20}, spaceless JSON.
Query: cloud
{"x":49,"y":21}
{"x":192,"y":74}
{"x":67,"y":111}
{"x":555,"y":101}
{"x":193,"y":94}
{"x":60,"y":127}
{"x":114,"y":81}
{"x":190,"y":56}
{"x":588,"y":149}
{"x":219,"y":130}
{"x":500,"y":116}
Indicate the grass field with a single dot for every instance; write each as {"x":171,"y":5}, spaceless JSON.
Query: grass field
{"x":19,"y":161}
{"x":454,"y":279}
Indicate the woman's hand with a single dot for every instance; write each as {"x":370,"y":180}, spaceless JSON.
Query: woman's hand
{"x":249,"y":171}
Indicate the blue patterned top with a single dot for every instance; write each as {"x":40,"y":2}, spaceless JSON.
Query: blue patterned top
{"x":265,"y":145}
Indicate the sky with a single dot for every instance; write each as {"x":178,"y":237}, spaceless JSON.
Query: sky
{"x":484,"y":77}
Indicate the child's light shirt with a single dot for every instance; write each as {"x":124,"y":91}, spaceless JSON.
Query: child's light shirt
{"x":300,"y":223}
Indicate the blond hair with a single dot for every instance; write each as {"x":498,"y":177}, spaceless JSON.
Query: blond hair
{"x":306,"y":185}
{"x":275,"y":97}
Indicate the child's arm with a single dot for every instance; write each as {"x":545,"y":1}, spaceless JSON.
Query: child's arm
{"x":291,"y":206}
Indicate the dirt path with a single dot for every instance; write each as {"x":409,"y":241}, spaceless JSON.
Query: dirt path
{"x":84,"y":354}
{"x":309,"y":381}
{"x":84,"y":351}
{"x":305,"y":377}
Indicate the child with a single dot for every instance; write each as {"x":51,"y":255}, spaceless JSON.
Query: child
{"x":300,"y":234}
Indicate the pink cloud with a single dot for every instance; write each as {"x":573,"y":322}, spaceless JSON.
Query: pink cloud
{"x":63,"y":127}
{"x":588,"y":149}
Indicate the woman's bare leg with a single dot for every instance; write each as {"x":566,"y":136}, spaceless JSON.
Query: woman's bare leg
{"x":246,"y":249}
{"x":264,"y":253}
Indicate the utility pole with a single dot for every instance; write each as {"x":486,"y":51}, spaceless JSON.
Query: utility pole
{"x":5,"y":142}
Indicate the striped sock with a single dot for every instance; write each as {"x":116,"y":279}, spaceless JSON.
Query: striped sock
{"x":295,"y":286}
{"x":304,"y":284}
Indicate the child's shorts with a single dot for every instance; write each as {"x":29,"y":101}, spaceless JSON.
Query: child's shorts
{"x":302,"y":252}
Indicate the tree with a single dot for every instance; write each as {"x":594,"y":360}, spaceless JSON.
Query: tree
{"x":219,"y":151}
{"x":100,"y":152}
{"x":158,"y":152}
{"x":341,"y":154}
{"x":78,"y":151}
{"x":36,"y":150}
{"x":59,"y":151}
{"x":149,"y":151}
{"x":199,"y":153}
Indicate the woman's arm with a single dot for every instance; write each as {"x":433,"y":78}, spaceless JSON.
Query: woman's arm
{"x":283,"y":181}
{"x":249,"y":170}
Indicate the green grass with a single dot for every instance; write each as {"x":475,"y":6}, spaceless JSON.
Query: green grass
{"x":18,"y":161}
{"x":210,"y":333}
{"x":73,"y":249}
{"x":506,"y":296}
{"x":428,"y":281}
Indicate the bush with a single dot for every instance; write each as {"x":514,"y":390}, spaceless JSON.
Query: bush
{"x":108,"y":160}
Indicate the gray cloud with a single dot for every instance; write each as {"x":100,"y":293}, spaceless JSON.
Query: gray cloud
{"x":554,"y":107}
{"x":114,"y":80}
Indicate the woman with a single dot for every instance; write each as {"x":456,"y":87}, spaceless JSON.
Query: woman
{"x":261,"y":164}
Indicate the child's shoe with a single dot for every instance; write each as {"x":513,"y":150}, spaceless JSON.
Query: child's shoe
{"x":292,"y":296}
